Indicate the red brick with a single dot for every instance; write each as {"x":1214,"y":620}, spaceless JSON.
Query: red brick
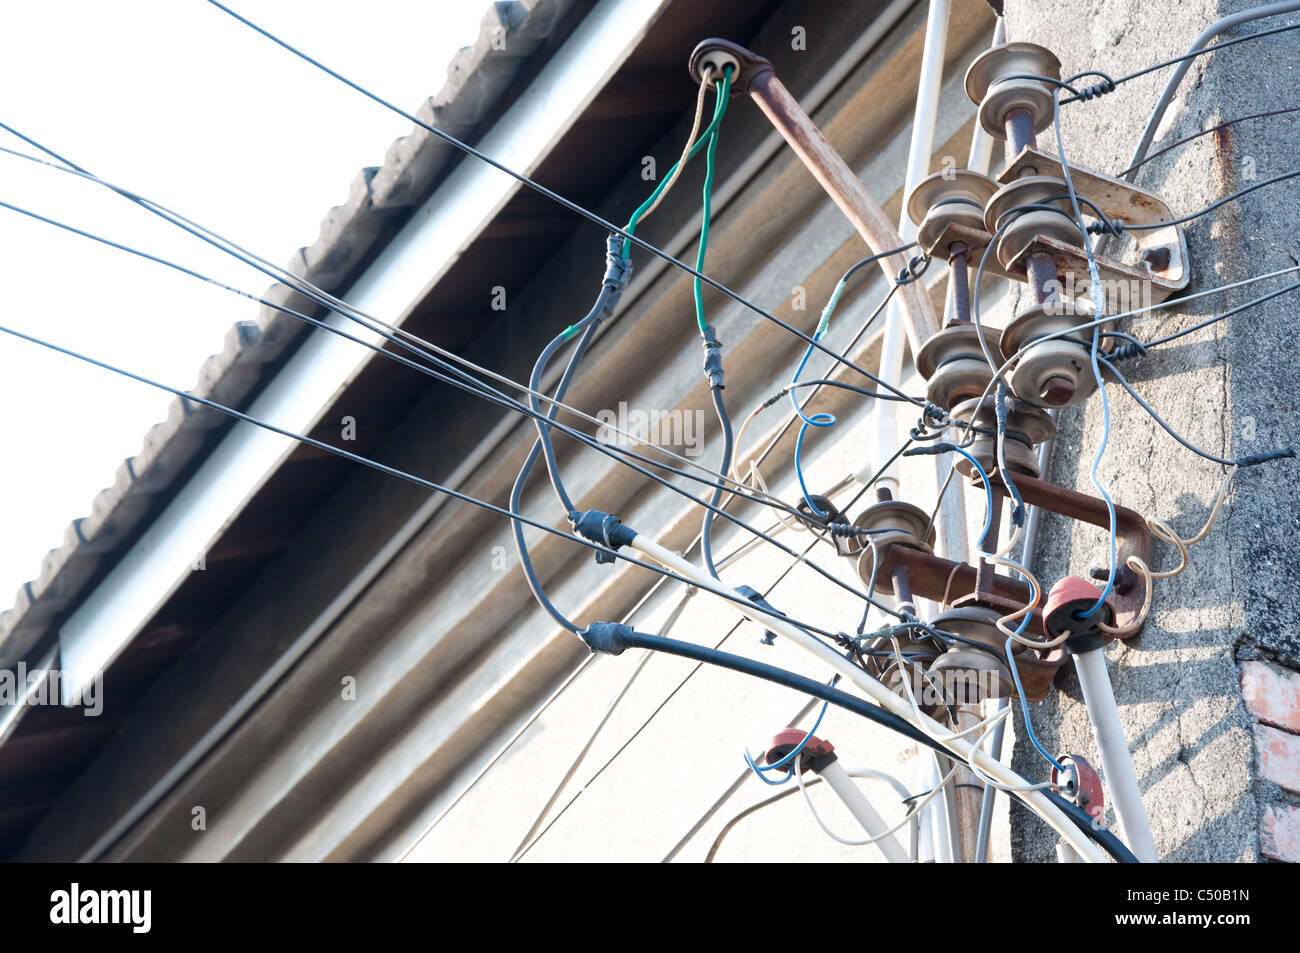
{"x":1272,"y":694}
{"x":1278,"y":754}
{"x":1279,"y":833}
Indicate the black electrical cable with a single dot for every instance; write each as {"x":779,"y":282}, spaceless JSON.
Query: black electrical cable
{"x":1205,"y":132}
{"x":517,"y":491}
{"x":409,"y":477}
{"x":1246,"y":461}
{"x":826,"y":382}
{"x":556,"y":197}
{"x":627,"y":637}
{"x":728,"y":447}
{"x":1141,"y":347}
{"x":1186,"y":56}
{"x":1115,"y":227}
{"x":480,"y":389}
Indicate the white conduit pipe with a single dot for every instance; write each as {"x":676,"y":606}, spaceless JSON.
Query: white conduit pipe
{"x":878,"y":693}
{"x":1115,"y":761}
{"x":863,"y":812}
{"x":884,"y":426}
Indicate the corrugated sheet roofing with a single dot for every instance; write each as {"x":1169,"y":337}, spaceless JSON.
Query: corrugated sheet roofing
{"x":510,"y":34}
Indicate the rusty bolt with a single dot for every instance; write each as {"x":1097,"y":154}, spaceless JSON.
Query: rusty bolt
{"x":1157,"y":258}
{"x":1057,"y":391}
{"x":1125,"y":578}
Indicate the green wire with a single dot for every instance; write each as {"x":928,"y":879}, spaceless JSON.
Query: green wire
{"x":706,"y":213}
{"x":705,"y":138}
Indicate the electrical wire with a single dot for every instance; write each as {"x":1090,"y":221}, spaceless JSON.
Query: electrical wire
{"x":1214,"y":458}
{"x":664,"y":629}
{"x":688,"y":150}
{"x":409,"y":477}
{"x":1147,"y":345}
{"x":1204,"y":132}
{"x":480,"y":389}
{"x":1186,"y":56}
{"x":439,"y":357}
{"x":787,"y":761}
{"x":556,"y":197}
{"x":517,"y":490}
{"x":913,"y":812}
{"x":1112,"y":227}
{"x":653,"y":714}
{"x":1080,"y":819}
{"x":723,"y":92}
{"x":1098,"y":307}
{"x":772,"y":799}
{"x":682,"y":683}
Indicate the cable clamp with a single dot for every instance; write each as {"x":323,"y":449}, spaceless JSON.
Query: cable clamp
{"x":607,"y":638}
{"x":916,"y":267}
{"x":1126,"y":351}
{"x":933,"y":449}
{"x":602,"y":528}
{"x":756,"y":597}
{"x":1107,"y":226}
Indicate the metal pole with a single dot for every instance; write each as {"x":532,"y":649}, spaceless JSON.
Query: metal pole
{"x":757,"y":77}
{"x":920,"y":149}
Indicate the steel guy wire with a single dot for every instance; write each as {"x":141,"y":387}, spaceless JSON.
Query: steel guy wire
{"x":500,"y":399}
{"x":401,"y":474}
{"x":556,"y":197}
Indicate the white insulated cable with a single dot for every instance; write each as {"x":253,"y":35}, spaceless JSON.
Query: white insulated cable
{"x":878,"y":693}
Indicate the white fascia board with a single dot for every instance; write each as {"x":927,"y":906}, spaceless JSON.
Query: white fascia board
{"x":418,"y":256}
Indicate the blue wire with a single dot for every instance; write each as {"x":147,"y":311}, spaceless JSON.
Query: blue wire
{"x":1018,"y":502}
{"x":816,"y":420}
{"x":1110,"y":506}
{"x":1024,"y":707}
{"x":988,"y":519}
{"x":761,"y":770}
{"x":988,"y":491}
{"x":1095,"y":292}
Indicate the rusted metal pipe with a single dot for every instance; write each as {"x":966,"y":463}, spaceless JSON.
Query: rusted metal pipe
{"x":1020,"y":131}
{"x":959,"y":270}
{"x":756,"y":76}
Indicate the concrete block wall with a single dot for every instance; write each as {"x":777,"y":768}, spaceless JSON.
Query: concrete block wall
{"x":1209,"y":694}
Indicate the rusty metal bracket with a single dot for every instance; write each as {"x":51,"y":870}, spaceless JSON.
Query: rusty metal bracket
{"x":1165,"y":263}
{"x":1133,"y":538}
{"x":929,"y":577}
{"x":758,"y":78}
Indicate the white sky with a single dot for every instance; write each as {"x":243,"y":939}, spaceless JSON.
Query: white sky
{"x":179,"y":102}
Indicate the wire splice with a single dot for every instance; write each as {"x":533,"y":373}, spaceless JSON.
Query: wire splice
{"x":607,"y":638}
{"x":713,"y":357}
{"x":602,"y":528}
